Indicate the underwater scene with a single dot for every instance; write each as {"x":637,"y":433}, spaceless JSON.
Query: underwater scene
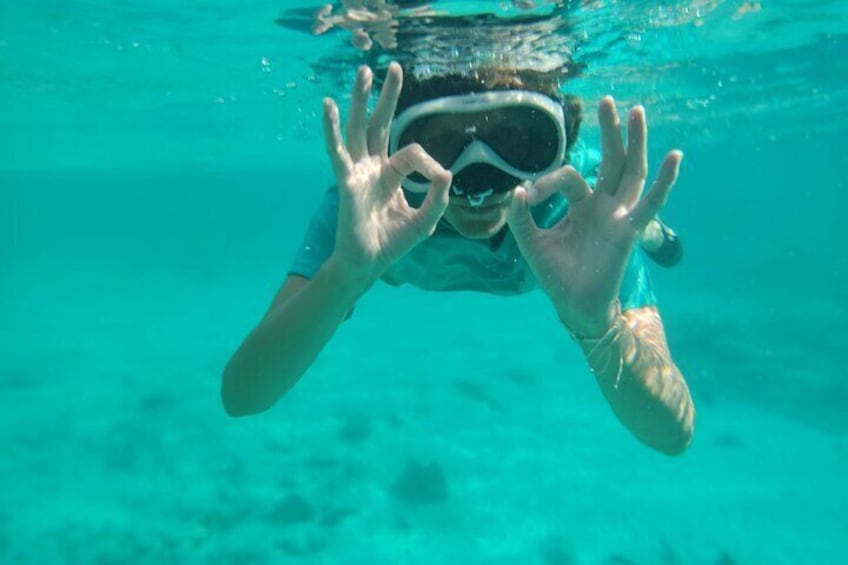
{"x":160,"y":165}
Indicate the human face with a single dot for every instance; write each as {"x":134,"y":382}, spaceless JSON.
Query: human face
{"x":490,"y":141}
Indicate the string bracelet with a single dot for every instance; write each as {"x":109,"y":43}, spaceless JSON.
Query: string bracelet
{"x":610,"y":337}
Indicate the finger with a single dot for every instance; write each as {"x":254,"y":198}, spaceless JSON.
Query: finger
{"x":384,"y":111}
{"x":657,"y":195}
{"x":357,"y":118}
{"x":636,"y":164}
{"x":339,"y":157}
{"x":565,"y":180}
{"x":518,"y":216}
{"x":410,"y":159}
{"x":612,"y":147}
{"x":434,"y":205}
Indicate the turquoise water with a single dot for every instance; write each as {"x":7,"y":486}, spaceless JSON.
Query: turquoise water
{"x":158,"y":165}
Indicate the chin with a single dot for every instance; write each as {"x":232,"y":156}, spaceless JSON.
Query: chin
{"x":476,"y":223}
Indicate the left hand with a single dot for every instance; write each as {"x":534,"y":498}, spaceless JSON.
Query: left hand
{"x":581,"y":260}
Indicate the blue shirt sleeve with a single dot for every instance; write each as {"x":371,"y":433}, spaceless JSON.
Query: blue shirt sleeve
{"x":320,"y":238}
{"x":636,"y":291}
{"x":587,"y":161}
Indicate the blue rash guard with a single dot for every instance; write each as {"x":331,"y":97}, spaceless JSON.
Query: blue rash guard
{"x":448,"y":261}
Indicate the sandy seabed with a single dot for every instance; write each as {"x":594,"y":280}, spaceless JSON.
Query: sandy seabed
{"x":433,"y":429}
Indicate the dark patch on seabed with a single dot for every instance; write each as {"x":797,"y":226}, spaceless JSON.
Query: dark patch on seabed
{"x":420,"y":483}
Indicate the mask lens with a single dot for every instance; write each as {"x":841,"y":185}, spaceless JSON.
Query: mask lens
{"x":439,"y":136}
{"x":523,"y":136}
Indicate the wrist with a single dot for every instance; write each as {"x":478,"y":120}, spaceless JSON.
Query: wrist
{"x":605,"y":353}
{"x":346,"y":280}
{"x":590,"y":329}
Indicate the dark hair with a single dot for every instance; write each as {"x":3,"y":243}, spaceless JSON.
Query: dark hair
{"x":417,"y":90}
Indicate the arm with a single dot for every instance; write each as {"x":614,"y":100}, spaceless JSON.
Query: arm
{"x":637,"y":376}
{"x":375,"y":227}
{"x":580,"y":262}
{"x":301,"y":320}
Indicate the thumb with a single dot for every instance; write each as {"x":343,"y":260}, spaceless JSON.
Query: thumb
{"x":518,"y":216}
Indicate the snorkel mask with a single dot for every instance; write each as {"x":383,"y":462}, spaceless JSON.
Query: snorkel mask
{"x":490,"y":141}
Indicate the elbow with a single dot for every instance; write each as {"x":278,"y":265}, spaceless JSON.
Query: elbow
{"x":684,"y":430}
{"x":675,"y":446}
{"x":237,"y":406}
{"x":234,"y":399}
{"x":676,"y":431}
{"x":676,"y":441}
{"x":669,"y":432}
{"x":233,"y":407}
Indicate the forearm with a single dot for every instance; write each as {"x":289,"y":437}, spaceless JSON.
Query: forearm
{"x":286,"y":342}
{"x":645,"y":389}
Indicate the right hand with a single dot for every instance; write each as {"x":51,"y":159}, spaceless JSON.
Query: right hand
{"x":376,"y":225}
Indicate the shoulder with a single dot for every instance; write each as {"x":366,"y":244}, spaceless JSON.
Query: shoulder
{"x":326,"y":213}
{"x":319,"y":240}
{"x":586,"y":160}
{"x":637,"y":289}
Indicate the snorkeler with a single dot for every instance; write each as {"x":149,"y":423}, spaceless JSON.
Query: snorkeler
{"x":468,"y":175}
{"x":463,"y":191}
